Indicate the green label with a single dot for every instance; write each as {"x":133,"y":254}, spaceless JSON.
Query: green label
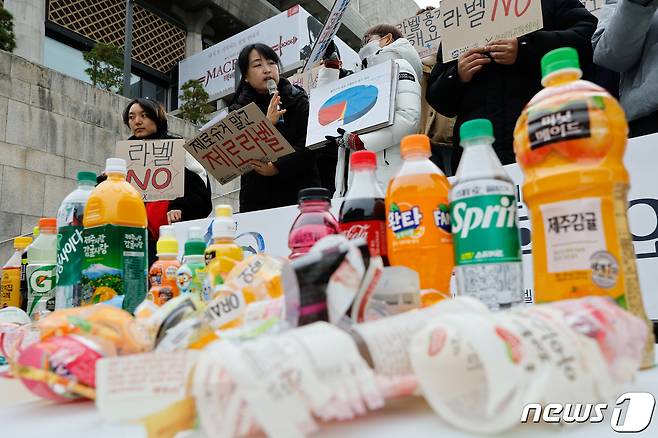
{"x":485,"y":230}
{"x":41,"y":288}
{"x":114,"y":264}
{"x":69,"y":255}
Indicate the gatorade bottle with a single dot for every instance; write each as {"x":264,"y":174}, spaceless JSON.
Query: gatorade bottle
{"x":570,"y":143}
{"x":115,"y":242}
{"x":363,"y":212}
{"x":41,"y":266}
{"x":162,"y":275}
{"x":14,"y":284}
{"x":314,"y":221}
{"x":418,"y":232}
{"x":192,"y":273}
{"x":69,"y":246}
{"x":485,"y":230}
{"x":223,"y":254}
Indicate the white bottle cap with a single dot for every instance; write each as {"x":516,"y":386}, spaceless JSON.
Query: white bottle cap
{"x":116,"y":165}
{"x":194,"y":233}
{"x":224,"y":226}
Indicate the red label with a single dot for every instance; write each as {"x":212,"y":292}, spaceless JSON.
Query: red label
{"x":373,"y":231}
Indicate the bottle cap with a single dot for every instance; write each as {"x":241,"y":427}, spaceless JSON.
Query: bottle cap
{"x":195,"y":244}
{"x":417,"y":143}
{"x":22,"y":242}
{"x":559,"y":59}
{"x":224,"y":226}
{"x":48,"y":225}
{"x":314,"y":193}
{"x":87,"y":176}
{"x":477,"y":128}
{"x":167,"y":243}
{"x":116,"y":165}
{"x":35,"y":231}
{"x":363,"y":160}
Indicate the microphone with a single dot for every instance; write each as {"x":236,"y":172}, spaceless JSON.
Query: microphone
{"x":271,"y":86}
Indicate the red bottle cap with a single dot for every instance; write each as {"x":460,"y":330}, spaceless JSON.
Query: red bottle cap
{"x":363,"y":160}
{"x":48,"y":224}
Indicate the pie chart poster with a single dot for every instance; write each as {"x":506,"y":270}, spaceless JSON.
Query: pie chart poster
{"x":357,"y":103}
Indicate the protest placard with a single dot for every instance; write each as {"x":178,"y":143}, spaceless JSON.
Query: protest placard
{"x":328,"y":33}
{"x":465,"y":24}
{"x":227,"y":148}
{"x":156,"y":168}
{"x":422,"y":31}
{"x":358,"y":103}
{"x":306,"y":79}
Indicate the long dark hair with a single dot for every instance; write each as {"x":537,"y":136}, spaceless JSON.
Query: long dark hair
{"x":153,"y":109}
{"x":243,"y":63}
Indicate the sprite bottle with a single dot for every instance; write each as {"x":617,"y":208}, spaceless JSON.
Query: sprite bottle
{"x":484,"y":219}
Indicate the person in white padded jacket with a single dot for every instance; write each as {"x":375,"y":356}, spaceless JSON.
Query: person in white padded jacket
{"x":382,"y":43}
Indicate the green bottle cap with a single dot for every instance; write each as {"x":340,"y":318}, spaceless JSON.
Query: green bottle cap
{"x":87,"y":176}
{"x":195,"y":247}
{"x":559,"y":59}
{"x":477,"y":128}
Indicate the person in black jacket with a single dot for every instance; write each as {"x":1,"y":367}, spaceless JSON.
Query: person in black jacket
{"x":497,"y":81}
{"x":272,"y":185}
{"x":147,"y":120}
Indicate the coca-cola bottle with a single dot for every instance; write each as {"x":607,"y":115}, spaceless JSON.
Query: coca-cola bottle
{"x":314,"y":222}
{"x":363,"y":213}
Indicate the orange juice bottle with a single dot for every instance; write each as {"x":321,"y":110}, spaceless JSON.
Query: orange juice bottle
{"x":570,"y":142}
{"x":162,"y":274}
{"x":418,"y":229}
{"x":114,"y":242}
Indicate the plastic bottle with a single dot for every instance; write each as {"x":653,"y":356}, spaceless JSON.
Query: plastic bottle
{"x":363,"y":212}
{"x":418,"y":232}
{"x":115,"y":242}
{"x":162,"y":275}
{"x":314,"y":221}
{"x":69,"y":246}
{"x":485,"y":231}
{"x":223,"y":254}
{"x":14,"y":283}
{"x":41,"y":266}
{"x":192,"y":273}
{"x":570,"y":142}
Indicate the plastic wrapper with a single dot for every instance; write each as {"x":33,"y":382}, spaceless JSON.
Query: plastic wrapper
{"x":479,"y":370}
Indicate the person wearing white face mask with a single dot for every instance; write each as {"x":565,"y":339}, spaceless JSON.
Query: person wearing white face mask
{"x":382,"y":43}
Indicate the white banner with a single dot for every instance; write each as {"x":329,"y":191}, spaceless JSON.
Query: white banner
{"x":641,"y":158}
{"x":291,"y":34}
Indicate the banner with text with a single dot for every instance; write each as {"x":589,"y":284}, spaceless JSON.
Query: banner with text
{"x":422,"y":31}
{"x":156,"y":168}
{"x":465,"y":24}
{"x":227,"y":148}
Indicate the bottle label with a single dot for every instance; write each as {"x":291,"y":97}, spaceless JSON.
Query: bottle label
{"x":41,"y":288}
{"x":373,"y":231}
{"x":10,"y":293}
{"x":69,"y":255}
{"x":574,"y":235}
{"x":567,"y":122}
{"x":409,"y":222}
{"x":485,"y":229}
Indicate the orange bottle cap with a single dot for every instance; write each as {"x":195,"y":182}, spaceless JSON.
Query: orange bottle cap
{"x":48,"y":224}
{"x":417,"y":143}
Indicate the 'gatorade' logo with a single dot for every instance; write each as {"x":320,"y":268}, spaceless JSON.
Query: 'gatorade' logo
{"x":465,"y":219}
{"x":42,"y":280}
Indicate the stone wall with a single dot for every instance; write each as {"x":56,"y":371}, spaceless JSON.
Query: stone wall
{"x":51,"y":127}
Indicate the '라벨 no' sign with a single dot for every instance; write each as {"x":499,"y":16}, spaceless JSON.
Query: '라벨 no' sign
{"x":227,"y":148}
{"x":156,"y":168}
{"x":466,"y":24}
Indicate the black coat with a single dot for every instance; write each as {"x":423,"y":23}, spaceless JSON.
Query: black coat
{"x":296,"y":171}
{"x":500,"y":92}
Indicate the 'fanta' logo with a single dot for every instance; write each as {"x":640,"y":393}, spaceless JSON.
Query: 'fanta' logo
{"x":404,"y":223}
{"x":442,"y":217}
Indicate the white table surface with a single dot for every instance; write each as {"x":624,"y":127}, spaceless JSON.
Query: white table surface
{"x":23,"y":415}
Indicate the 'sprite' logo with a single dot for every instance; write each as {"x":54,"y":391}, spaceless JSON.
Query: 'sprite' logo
{"x":638,"y":412}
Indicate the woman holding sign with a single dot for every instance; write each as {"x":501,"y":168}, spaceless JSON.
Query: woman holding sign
{"x":276,"y":184}
{"x":147,"y":120}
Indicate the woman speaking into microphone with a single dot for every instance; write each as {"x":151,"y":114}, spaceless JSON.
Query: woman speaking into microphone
{"x":275,"y":184}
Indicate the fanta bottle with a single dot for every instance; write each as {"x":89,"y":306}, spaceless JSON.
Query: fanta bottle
{"x":570,"y":142}
{"x":163,"y":273}
{"x":114,"y":242}
{"x":418,"y":229}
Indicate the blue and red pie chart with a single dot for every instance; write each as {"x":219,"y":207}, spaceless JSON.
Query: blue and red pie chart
{"x":348,"y":105}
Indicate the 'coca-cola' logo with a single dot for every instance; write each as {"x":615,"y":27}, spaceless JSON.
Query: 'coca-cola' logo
{"x":357,"y":231}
